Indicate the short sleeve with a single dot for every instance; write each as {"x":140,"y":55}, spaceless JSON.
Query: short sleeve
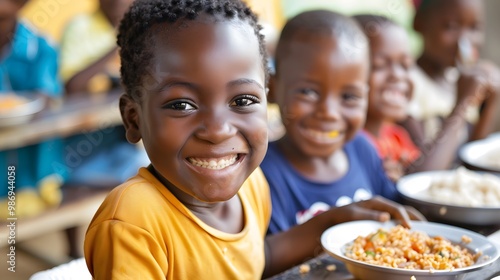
{"x":112,"y":246}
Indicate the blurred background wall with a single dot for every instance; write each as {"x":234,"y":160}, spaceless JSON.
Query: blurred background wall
{"x":50,"y":16}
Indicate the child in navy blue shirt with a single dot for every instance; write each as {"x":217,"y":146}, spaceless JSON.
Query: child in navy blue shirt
{"x":321,"y":87}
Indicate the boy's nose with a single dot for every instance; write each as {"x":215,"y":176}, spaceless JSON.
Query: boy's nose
{"x":215,"y":127}
{"x":328,"y":108}
{"x":397,"y":71}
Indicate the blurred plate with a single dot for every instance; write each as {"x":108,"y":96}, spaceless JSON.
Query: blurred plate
{"x":413,"y":189}
{"x":335,"y":239}
{"x":15,"y":110}
{"x":482,"y":155}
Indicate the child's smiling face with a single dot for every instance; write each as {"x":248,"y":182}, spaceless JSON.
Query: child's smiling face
{"x":390,"y":83}
{"x":447,"y":24}
{"x":321,"y":88}
{"x":202,"y":115}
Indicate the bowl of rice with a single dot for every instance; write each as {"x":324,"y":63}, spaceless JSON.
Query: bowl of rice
{"x":458,"y":196}
{"x":482,"y":155}
{"x":374,"y":250}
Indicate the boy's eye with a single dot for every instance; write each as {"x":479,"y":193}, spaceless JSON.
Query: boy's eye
{"x":180,"y":106}
{"x":378,"y":64}
{"x":477,"y":27}
{"x":309,"y":93}
{"x":407,"y":63}
{"x":351,"y":98}
{"x":452,"y":25}
{"x":245,"y":100}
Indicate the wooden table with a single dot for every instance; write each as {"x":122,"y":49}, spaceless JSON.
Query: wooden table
{"x":72,"y":115}
{"x":320,"y":268}
{"x":71,"y":213}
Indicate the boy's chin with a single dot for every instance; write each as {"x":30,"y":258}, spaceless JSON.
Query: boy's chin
{"x":395,"y":118}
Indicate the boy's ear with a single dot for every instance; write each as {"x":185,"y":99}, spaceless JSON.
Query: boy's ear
{"x":130,"y":117}
{"x":271,"y":97}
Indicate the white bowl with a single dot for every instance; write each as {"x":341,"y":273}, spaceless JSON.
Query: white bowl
{"x":335,"y":239}
{"x":474,"y":154}
{"x":413,"y":189}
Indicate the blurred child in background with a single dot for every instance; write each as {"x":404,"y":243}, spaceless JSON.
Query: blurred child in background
{"x":28,"y":66}
{"x":88,"y":52}
{"x":89,"y":55}
{"x":321,"y":87}
{"x":90,"y":67}
{"x":195,"y":76}
{"x":391,"y":90}
{"x":454,"y":89}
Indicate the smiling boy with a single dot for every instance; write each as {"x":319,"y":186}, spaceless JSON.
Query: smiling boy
{"x":195,"y":78}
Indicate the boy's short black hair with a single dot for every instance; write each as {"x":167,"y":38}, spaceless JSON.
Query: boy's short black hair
{"x":322,"y":23}
{"x":134,"y":34}
{"x":372,"y":24}
{"x":427,"y":7}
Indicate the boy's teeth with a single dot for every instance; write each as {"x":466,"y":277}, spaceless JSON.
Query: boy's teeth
{"x":214,"y":163}
{"x":394,"y":97}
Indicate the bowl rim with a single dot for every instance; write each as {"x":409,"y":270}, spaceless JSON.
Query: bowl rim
{"x":415,"y":224}
{"x":464,"y":151}
{"x":34,"y":105}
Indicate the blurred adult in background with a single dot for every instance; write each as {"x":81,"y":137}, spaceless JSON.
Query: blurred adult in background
{"x":455,"y":92}
{"x":28,"y":66}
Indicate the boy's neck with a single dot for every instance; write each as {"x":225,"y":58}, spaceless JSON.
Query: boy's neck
{"x":374,"y":126}
{"x":434,"y":70}
{"x":327,"y":169}
{"x":226,"y":216}
{"x":7,"y":29}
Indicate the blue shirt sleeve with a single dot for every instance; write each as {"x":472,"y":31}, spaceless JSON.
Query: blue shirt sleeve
{"x":46,"y":74}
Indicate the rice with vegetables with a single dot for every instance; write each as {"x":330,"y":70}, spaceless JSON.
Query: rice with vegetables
{"x":399,"y":247}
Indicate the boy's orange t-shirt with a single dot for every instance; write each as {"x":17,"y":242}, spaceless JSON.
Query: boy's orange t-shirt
{"x":142,"y":231}
{"x":395,"y":143}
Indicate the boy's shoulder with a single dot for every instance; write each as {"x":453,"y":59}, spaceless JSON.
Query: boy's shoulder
{"x":135,"y":187}
{"x":135,"y":196}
